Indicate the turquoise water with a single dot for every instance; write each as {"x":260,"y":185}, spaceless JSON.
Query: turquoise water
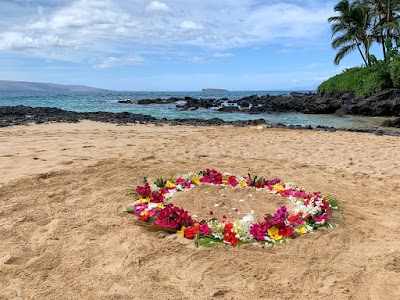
{"x":108,"y":101}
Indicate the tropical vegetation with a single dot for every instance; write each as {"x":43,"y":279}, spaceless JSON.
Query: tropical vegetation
{"x":356,"y":26}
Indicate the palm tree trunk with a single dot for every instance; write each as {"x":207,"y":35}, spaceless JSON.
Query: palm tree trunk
{"x":383,"y":47}
{"x":362,"y":55}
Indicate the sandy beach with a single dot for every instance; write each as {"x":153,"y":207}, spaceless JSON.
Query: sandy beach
{"x":65,"y":234}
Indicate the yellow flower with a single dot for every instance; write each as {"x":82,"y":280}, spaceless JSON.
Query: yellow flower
{"x":301,"y":230}
{"x":225,"y":181}
{"x":160,"y":205}
{"x":182,"y":231}
{"x":196,"y":180}
{"x":273,"y":232}
{"x":277,"y":188}
{"x":170,"y":184}
{"x":144,"y":213}
{"x":243,"y":183}
{"x":143,"y":200}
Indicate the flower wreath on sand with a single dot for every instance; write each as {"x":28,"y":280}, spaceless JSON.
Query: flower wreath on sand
{"x":156,"y":212}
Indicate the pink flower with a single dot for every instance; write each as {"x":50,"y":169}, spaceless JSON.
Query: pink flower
{"x":281,"y":214}
{"x":300,"y":194}
{"x":179,"y":180}
{"x":173,"y":217}
{"x":158,"y":196}
{"x":258,"y":231}
{"x":211,"y":176}
{"x":204,"y":229}
{"x":144,"y":191}
{"x":232,"y":181}
{"x":138,"y":208}
{"x":321,"y":219}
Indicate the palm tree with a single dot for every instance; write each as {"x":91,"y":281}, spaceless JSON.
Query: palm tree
{"x":392,"y":11}
{"x":385,"y":21}
{"x":352,"y":27}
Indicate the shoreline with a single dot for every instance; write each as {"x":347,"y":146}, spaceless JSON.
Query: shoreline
{"x":19,"y":115}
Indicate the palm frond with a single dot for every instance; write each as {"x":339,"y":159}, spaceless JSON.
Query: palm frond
{"x":334,"y":203}
{"x":343,"y":52}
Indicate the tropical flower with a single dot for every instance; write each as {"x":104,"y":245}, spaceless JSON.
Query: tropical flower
{"x":153,"y":206}
{"x":273,"y":232}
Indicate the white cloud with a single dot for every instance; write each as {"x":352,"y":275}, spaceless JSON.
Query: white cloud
{"x":102,"y":27}
{"x":189,"y":25}
{"x":223,"y":55}
{"x":111,"y":61}
{"x":283,"y":51}
{"x":157,"y":6}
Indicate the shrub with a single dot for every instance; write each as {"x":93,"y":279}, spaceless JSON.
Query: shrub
{"x":395,"y":72}
{"x":362,"y":81}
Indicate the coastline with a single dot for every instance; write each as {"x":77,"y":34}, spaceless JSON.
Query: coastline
{"x":17,"y":115}
{"x":64,"y":191}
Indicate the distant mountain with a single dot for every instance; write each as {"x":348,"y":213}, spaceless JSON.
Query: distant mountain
{"x":15,"y":86}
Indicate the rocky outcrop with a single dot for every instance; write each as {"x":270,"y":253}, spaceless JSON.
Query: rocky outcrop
{"x":17,"y":115}
{"x":385,"y":103}
{"x":392,"y":123}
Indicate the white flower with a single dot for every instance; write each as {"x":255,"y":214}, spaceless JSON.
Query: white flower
{"x":249,"y":218}
{"x":242,"y":228}
{"x":217,"y":229}
{"x":151,"y":205}
{"x":154,"y":187}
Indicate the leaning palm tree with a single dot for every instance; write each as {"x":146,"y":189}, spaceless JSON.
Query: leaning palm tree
{"x":352,"y":29}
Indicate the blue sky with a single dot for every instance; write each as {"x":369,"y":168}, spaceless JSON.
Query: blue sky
{"x":169,"y":45}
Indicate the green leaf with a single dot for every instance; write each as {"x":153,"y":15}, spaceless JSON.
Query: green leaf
{"x":160,"y":182}
{"x":334,"y":203}
{"x":159,"y":228}
{"x":207,"y":241}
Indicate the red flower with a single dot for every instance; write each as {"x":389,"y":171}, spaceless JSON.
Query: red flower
{"x":191,"y":232}
{"x":228,"y":227}
{"x":296,"y":219}
{"x":230,"y":238}
{"x":259,"y":185}
{"x":286,"y":231}
{"x":144,"y":218}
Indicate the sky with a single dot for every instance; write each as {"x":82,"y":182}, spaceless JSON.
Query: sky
{"x":170,"y":45}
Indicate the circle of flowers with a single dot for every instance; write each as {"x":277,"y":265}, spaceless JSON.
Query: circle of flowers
{"x":155,"y":210}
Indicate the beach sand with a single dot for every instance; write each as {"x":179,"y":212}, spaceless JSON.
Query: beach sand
{"x":64,"y":233}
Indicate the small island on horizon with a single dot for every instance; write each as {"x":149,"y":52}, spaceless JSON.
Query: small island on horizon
{"x":213,"y":90}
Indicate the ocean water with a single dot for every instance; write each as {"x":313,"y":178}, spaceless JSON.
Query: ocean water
{"x":108,"y":101}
